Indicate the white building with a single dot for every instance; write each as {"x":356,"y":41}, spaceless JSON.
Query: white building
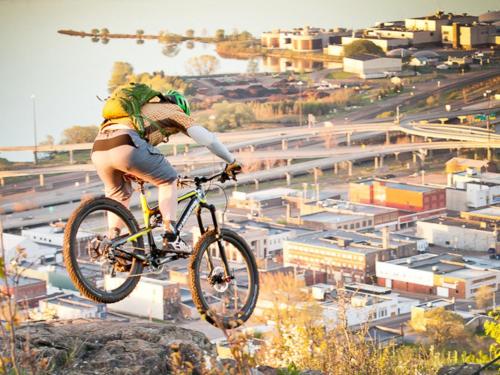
{"x":14,"y":244}
{"x":371,"y":66}
{"x":445,"y":275}
{"x":362,"y":303}
{"x":151,"y":298}
{"x":385,"y":43}
{"x":70,"y":306}
{"x":266,"y":240}
{"x":471,"y":189}
{"x":459,"y":233}
{"x":367,"y":308}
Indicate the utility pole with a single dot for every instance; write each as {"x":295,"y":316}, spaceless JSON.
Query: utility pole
{"x":300,"y":83}
{"x":33,"y":98}
{"x":487,"y":94}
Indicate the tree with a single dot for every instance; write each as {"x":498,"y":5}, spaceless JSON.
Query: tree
{"x":430,"y":101}
{"x":139,"y":33}
{"x":48,"y":141}
{"x":95,"y":32}
{"x":252,"y":67}
{"x":79,"y":134}
{"x":231,"y":115}
{"x":203,"y":65}
{"x":219,"y":34}
{"x":362,"y":46}
{"x":119,"y":75}
{"x":484,"y":296}
{"x":245,"y":35}
{"x":171,"y":50}
{"x":104,"y":32}
{"x":190,"y":33}
{"x":441,"y":326}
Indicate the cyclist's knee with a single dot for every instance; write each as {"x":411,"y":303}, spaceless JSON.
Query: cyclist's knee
{"x":120,"y":193}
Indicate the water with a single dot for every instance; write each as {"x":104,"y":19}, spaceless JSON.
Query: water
{"x":66,"y":73}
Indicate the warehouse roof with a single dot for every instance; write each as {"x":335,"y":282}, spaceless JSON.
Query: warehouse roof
{"x":332,"y":217}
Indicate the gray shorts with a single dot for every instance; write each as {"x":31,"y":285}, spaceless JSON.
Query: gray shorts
{"x":141,"y":160}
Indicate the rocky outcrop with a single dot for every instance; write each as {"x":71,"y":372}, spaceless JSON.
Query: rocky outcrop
{"x":103,"y":347}
{"x":91,"y":347}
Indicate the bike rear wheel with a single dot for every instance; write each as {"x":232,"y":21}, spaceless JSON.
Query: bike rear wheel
{"x":98,"y":271}
{"x":224,"y":300}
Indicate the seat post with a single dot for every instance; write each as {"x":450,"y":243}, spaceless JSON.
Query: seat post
{"x":141,"y":186}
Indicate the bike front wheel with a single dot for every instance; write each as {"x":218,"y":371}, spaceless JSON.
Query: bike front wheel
{"x":225,"y":291}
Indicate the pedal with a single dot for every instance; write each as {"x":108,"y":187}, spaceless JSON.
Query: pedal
{"x":178,"y":247}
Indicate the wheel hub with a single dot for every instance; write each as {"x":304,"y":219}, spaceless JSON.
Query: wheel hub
{"x":218,"y":280}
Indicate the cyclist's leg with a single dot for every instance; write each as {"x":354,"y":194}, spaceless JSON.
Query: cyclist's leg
{"x":167,"y":202}
{"x":149,"y":164}
{"x":115,"y":186}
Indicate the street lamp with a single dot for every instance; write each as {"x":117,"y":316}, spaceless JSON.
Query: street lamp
{"x":33,"y":100}
{"x":300,"y":83}
{"x":397,"y":114}
{"x":487,"y":94}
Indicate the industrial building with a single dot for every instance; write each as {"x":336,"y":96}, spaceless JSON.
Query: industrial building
{"x":152,"y":298}
{"x":386,"y":44}
{"x":365,"y":303}
{"x":357,"y":303}
{"x":26,"y":291}
{"x":371,"y":66}
{"x":371,"y":216}
{"x":434,"y":22}
{"x":457,"y":164}
{"x":445,"y":275}
{"x":304,"y":39}
{"x":471,"y":191}
{"x":265,"y":239}
{"x":400,"y":33}
{"x":70,"y":306}
{"x":460,"y":233}
{"x":411,"y":198}
{"x":343,"y":255}
{"x":468,"y":35}
{"x":259,"y":200}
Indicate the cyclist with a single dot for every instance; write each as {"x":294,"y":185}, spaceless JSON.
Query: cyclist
{"x":122,"y":147}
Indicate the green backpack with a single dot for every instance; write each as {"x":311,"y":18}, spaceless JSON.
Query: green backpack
{"x":127,"y":101}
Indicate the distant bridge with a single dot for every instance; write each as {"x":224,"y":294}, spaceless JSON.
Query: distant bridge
{"x":351,"y":153}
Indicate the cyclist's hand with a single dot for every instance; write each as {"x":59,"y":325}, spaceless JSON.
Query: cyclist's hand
{"x":230,"y":171}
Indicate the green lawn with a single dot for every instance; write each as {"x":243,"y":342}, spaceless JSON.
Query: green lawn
{"x":339,"y":74}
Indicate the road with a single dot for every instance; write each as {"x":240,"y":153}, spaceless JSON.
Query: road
{"x":423,"y":91}
{"x":337,"y":154}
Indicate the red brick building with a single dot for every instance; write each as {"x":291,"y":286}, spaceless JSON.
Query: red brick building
{"x":27,"y":291}
{"x":406,"y":197}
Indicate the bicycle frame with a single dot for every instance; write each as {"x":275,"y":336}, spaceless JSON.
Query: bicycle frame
{"x":196,"y":202}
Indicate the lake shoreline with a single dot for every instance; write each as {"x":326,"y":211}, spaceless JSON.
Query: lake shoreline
{"x":237,"y":48}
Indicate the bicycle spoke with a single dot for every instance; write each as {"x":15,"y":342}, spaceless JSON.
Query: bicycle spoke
{"x":225,"y":292}
{"x":106,"y":269}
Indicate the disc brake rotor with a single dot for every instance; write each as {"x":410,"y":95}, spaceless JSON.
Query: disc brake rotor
{"x":218,"y":280}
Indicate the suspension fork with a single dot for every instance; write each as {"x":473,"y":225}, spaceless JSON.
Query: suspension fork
{"x":218,"y":235}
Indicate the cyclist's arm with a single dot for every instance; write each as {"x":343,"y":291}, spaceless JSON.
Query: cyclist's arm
{"x":208,"y":139}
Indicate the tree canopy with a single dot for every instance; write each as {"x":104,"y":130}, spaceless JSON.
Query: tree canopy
{"x":362,"y":46}
{"x":79,"y":134}
{"x":231,"y":115}
{"x":441,"y":326}
{"x":123,"y":73}
{"x":484,"y":296}
{"x":203,"y":65}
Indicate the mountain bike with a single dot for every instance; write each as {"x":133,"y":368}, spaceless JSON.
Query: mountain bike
{"x":106,"y":265}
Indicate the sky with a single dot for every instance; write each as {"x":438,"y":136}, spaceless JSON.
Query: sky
{"x":34,"y":59}
{"x":253,"y":15}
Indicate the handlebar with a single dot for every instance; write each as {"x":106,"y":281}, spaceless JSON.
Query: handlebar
{"x":198,"y":180}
